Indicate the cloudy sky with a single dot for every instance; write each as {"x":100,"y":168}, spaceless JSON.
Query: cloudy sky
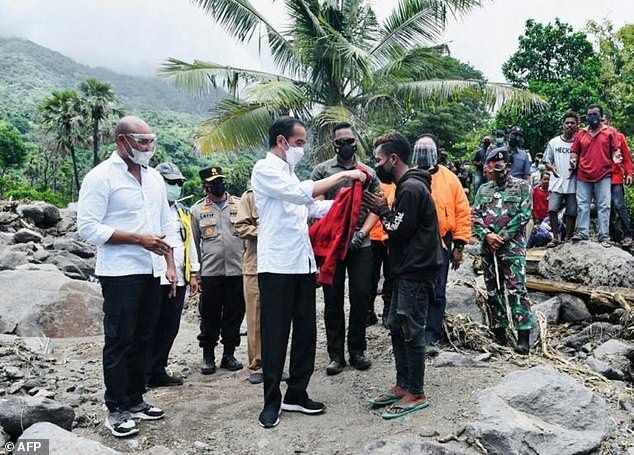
{"x":135,"y":36}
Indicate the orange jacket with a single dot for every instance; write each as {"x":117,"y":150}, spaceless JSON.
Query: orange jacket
{"x":452,"y":206}
{"x":377,"y":233}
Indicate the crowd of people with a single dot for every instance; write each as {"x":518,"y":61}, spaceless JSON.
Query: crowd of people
{"x":264,"y":254}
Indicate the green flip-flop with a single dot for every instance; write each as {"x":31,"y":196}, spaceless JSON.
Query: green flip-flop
{"x":385,"y":399}
{"x":399,"y":410}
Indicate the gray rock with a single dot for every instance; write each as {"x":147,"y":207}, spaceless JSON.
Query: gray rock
{"x":605,"y":369}
{"x":550,"y":308}
{"x":462,"y":300}
{"x":19,"y":413}
{"x":587,"y":263}
{"x":27,"y":235}
{"x":596,"y":332}
{"x":4,"y":438}
{"x":62,"y":442}
{"x":413,"y":447}
{"x":13,"y":372}
{"x":8,"y":217}
{"x":10,"y":259}
{"x":537,"y":411}
{"x":43,"y":215}
{"x":455,"y":359}
{"x":81,"y":249}
{"x":618,"y":354}
{"x":39,"y":299}
{"x":68,"y":221}
{"x":73,"y":266}
{"x":538,"y":297}
{"x":573,"y":309}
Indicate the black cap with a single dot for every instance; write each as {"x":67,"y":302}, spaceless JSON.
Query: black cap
{"x":209,"y":174}
{"x":498,"y":154}
{"x":517,"y":130}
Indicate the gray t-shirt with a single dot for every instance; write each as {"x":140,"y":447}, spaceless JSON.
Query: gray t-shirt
{"x":521,"y":166}
{"x":558,"y":154}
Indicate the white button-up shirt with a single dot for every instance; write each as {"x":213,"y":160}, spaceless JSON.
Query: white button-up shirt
{"x":112,"y":199}
{"x":175,"y":238}
{"x":284,"y":204}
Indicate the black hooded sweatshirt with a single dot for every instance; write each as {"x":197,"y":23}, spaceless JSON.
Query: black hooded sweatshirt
{"x":414,"y":244}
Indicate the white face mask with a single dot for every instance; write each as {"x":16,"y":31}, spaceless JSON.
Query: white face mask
{"x":294,"y":155}
{"x":173,"y":191}
{"x":140,"y":157}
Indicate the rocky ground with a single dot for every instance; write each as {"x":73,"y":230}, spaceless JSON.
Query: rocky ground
{"x":573,"y":395}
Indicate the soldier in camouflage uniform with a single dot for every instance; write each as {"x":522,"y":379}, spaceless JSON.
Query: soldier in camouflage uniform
{"x":501,"y":209}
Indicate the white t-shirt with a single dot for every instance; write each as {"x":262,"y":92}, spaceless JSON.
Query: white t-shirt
{"x":558,"y":154}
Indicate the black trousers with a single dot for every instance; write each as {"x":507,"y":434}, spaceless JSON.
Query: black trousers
{"x":130,"y":314}
{"x":221,"y":308}
{"x":436,"y":313}
{"x":380,"y":262}
{"x":359,"y":266}
{"x":169,"y":320}
{"x":285,"y":300}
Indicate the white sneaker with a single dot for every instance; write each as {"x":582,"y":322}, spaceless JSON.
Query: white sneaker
{"x":120,"y":424}
{"x":145,"y":411}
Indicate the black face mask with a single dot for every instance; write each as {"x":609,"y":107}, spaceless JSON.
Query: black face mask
{"x":217,"y":189}
{"x":346,"y":151}
{"x":384,"y":175}
{"x":594,"y":120}
{"x":500,"y":176}
{"x":514,"y":142}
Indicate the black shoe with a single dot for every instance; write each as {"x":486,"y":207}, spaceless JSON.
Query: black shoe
{"x":372,"y":319}
{"x":209,"y":363}
{"x":256,"y":378}
{"x":432,"y":349}
{"x":500,"y":335}
{"x":121,"y":424}
{"x":335,"y":366}
{"x":305,"y":406}
{"x":146,"y":411}
{"x":164,"y":380}
{"x":230,"y":363}
{"x":359,"y":361}
{"x":523,"y":342}
{"x":269,"y":417}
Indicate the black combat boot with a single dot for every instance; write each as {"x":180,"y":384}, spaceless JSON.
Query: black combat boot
{"x":209,"y":363}
{"x":229,"y":362}
{"x":523,"y":342}
{"x":500,"y":335}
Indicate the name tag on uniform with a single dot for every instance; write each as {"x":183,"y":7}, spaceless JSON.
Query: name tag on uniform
{"x":498,"y":197}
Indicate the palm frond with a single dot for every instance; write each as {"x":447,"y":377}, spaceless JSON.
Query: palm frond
{"x":283,"y":95}
{"x":201,"y":78}
{"x":412,"y":64}
{"x":233,"y":126}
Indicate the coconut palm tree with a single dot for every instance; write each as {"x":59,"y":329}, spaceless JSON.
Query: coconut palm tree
{"x":64,"y":118}
{"x":99,"y":98}
{"x":334,"y":62}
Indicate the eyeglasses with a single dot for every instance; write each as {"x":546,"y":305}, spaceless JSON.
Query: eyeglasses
{"x":342,"y":142}
{"x":142,"y":138}
{"x":174,"y":182}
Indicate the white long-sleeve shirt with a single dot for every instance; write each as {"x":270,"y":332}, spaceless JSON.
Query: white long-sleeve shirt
{"x":175,"y":238}
{"x":112,"y":199}
{"x":284,"y":205}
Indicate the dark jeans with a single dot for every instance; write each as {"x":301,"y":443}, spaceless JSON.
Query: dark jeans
{"x":130,"y":314}
{"x":619,"y":208}
{"x":379,"y":260}
{"x":221,"y":308}
{"x":408,"y":315}
{"x":359,"y":266}
{"x":436,"y":313}
{"x":169,"y":320}
{"x":285,"y":300}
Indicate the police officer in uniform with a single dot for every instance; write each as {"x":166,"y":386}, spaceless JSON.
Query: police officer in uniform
{"x":220,"y":250}
{"x":501,"y":209}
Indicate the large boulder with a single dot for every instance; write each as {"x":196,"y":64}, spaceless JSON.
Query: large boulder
{"x":81,"y":249}
{"x":540,"y":410}
{"x":20,"y":412}
{"x":42,"y":214}
{"x":550,"y":309}
{"x":62,"y":442}
{"x":462,"y":300}
{"x":10,"y":258}
{"x":573,"y":309}
{"x":68,"y":221}
{"x":619,"y":354}
{"x":27,"y":235}
{"x":588,"y":263}
{"x":595,"y":333}
{"x":39,"y":299}
{"x":72,"y":265}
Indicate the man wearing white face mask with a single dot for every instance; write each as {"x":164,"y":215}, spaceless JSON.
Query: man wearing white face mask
{"x":286,"y":267}
{"x":123,"y":210}
{"x":187,"y":269}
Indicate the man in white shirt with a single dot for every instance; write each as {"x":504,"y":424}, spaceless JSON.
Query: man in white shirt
{"x":123,"y":210}
{"x":187,"y":272}
{"x":563,"y":184}
{"x":286,"y":267}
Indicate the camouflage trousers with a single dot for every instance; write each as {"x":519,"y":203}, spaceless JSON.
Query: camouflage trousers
{"x":512,"y":282}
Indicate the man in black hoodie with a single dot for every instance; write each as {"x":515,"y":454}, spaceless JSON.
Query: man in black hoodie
{"x":414,"y":253}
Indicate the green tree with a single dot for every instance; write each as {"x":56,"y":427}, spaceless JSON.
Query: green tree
{"x":64,"y":119}
{"x":99,"y":98}
{"x":334,"y":62}
{"x":559,"y":64}
{"x":13,"y":149}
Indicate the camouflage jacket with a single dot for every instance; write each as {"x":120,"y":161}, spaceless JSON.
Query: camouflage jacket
{"x":503,"y":210}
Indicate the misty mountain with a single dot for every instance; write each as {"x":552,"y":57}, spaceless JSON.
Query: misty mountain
{"x":29,"y":72}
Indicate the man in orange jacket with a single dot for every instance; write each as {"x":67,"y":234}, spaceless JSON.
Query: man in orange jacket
{"x":454,"y":225}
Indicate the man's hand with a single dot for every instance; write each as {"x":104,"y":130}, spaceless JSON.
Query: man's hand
{"x":456,"y":258}
{"x":629,"y":179}
{"x":355,"y":174}
{"x":374,"y":203}
{"x":194,"y":285}
{"x":154,"y":243}
{"x":553,"y":169}
{"x":573,"y":161}
{"x":356,"y":241}
{"x":171,"y":276}
{"x":494,"y":241}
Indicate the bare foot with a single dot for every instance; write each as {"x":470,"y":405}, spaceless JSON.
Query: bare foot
{"x":412,"y":400}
